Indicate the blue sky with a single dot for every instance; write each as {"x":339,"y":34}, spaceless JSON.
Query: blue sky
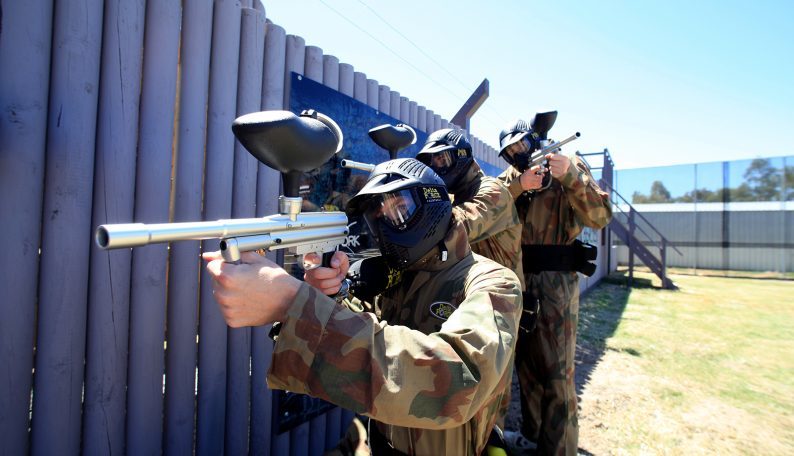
{"x":657,"y":83}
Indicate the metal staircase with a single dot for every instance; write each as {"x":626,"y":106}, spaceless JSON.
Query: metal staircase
{"x":624,"y":225}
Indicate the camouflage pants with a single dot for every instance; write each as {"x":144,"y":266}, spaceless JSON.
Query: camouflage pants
{"x":545,"y":365}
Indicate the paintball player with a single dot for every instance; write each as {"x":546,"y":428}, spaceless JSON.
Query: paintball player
{"x":483,"y":203}
{"x":430,"y":365}
{"x":485,"y":206}
{"x":552,"y":219}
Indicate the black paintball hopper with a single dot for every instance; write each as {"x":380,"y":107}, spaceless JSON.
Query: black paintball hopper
{"x":393,"y":138}
{"x":542,"y":123}
{"x":288,"y":143}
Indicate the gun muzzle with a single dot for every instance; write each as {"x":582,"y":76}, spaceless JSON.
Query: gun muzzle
{"x":357,"y":165}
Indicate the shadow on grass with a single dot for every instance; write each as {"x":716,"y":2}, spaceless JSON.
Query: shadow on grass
{"x":600,"y":311}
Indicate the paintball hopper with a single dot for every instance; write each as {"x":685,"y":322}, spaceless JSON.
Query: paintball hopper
{"x":370,"y":277}
{"x":542,"y":123}
{"x":288,"y":143}
{"x":393,"y":138}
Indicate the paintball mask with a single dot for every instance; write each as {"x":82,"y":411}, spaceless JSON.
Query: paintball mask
{"x":407,"y":209}
{"x":517,"y":141}
{"x":449,"y":154}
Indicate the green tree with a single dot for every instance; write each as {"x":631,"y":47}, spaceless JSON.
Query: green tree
{"x":659,"y":193}
{"x":763,"y":180}
{"x":639,"y":198}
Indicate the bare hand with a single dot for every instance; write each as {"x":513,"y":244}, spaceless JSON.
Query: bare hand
{"x":327,"y":280}
{"x":532,"y":178}
{"x":558,"y":164}
{"x":253,"y":293}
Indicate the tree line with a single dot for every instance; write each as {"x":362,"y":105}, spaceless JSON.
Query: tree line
{"x":762,"y":182}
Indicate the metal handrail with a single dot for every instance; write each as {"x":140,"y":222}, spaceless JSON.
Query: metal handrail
{"x":631,"y":208}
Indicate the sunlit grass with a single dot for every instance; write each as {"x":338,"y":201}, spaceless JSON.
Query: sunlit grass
{"x":708,"y":368}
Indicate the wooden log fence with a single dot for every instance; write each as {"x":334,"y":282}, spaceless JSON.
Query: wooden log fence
{"x":121,"y":110}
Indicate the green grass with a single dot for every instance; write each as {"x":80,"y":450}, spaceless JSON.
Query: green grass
{"x":708,"y":368}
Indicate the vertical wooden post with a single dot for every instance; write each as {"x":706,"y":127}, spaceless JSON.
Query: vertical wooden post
{"x":25,"y":60}
{"x":268,"y":182}
{"x":66,"y":228}
{"x":384,"y":99}
{"x":114,"y":193}
{"x":360,"y":87}
{"x":413,"y":112}
{"x":421,"y":118}
{"x":152,"y":197}
{"x":373,"y":99}
{"x":347,"y":79}
{"x":209,"y":50}
{"x":430,"y":123}
{"x":249,"y":99}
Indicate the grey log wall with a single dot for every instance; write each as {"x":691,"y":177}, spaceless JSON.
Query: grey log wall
{"x":121,"y":110}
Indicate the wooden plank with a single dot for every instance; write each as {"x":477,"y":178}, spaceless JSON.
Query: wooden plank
{"x":186,"y":206}
{"x":373,"y":96}
{"x":114,"y":199}
{"x":394,"y":104}
{"x":294,"y":61}
{"x":267,"y":203}
{"x":421,"y":118}
{"x":152,"y":197}
{"x":384,"y":99}
{"x":25,"y":47}
{"x":331,"y":72}
{"x":249,"y":95}
{"x":347,"y":79}
{"x":66,"y":231}
{"x":211,"y":403}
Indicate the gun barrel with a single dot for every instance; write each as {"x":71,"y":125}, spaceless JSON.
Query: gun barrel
{"x":557,"y":145}
{"x":123,"y":235}
{"x":368,"y":167}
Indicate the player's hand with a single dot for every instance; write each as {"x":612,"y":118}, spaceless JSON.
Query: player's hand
{"x":327,"y":280}
{"x":253,"y":293}
{"x":532,"y":178}
{"x":558,"y":164}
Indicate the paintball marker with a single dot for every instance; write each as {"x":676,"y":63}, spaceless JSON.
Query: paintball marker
{"x":287,"y":143}
{"x":368,"y":277}
{"x":540,"y":145}
{"x":393,"y":138}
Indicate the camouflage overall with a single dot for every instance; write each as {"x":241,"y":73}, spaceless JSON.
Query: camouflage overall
{"x":486,"y":207}
{"x":489,"y":214}
{"x":545,"y":359}
{"x":429,"y":367}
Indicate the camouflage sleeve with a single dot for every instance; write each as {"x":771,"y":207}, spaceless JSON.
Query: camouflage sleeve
{"x":510,"y":177}
{"x":589,"y":202}
{"x":394,"y":374}
{"x":491,"y":211}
